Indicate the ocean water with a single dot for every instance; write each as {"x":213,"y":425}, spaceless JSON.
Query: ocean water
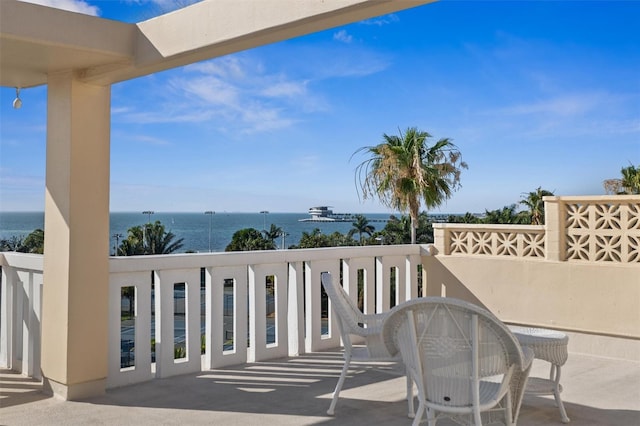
{"x":194,"y":227}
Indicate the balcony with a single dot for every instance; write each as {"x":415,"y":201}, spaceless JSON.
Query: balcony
{"x":297,"y":391}
{"x":271,"y":348}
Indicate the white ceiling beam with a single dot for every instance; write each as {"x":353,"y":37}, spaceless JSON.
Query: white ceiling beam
{"x":36,"y":40}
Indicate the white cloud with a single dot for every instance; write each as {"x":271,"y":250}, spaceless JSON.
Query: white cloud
{"x":165,"y":115}
{"x":151,"y":140}
{"x":341,"y":60}
{"x":79,"y":6}
{"x":210,"y":89}
{"x":343,"y":36}
{"x":226,"y":67}
{"x":259,"y":118}
{"x":382,"y":20}
{"x":235,"y":93}
{"x":120,"y":110}
{"x":567,"y":105}
{"x":286,"y":89}
{"x":570,"y":105}
{"x":565,"y":117}
{"x":241,"y":94}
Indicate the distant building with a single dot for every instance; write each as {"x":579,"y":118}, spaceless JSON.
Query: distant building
{"x":325,"y":214}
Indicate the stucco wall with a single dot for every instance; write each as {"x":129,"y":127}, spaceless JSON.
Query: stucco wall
{"x":601,"y":302}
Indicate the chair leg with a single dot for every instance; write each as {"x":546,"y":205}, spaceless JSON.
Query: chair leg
{"x":477,"y":420}
{"x":563,"y":412}
{"x":411,"y":413}
{"x":431,"y":417}
{"x":554,"y":375}
{"x":336,"y":392}
{"x":508,"y":411}
{"x":419,"y":414}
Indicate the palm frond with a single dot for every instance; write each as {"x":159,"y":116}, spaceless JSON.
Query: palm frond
{"x":404,"y":170}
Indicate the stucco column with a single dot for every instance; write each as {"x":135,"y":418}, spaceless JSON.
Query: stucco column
{"x":554,"y":228}
{"x":440,"y":237}
{"x":76,"y":251}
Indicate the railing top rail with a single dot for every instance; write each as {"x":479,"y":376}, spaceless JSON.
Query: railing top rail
{"x":26,"y":261}
{"x":488,"y":226}
{"x":593,"y":198}
{"x":197,"y":260}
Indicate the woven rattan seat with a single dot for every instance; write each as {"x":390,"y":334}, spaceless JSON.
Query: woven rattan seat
{"x":464,"y":361}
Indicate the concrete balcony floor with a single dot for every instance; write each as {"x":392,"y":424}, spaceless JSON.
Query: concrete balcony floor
{"x":297,"y":391}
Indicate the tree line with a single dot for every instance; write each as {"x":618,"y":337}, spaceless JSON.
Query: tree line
{"x":32,"y":243}
{"x":397,"y":230}
{"x":153,"y":238}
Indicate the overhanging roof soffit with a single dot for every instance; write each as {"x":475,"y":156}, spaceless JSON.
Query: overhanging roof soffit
{"x":36,"y":40}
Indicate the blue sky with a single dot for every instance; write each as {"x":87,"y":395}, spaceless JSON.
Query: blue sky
{"x":532,"y":93}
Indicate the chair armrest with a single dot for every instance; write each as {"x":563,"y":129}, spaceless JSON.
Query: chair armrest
{"x":527,"y":357}
{"x":373,"y":320}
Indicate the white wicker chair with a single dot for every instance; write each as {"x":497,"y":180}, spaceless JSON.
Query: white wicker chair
{"x":463,"y":360}
{"x":352,"y":322}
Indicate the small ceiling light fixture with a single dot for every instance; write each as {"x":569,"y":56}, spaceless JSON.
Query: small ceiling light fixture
{"x":17,"y":102}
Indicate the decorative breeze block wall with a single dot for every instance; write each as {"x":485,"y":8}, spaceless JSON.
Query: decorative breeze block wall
{"x":603,"y":232}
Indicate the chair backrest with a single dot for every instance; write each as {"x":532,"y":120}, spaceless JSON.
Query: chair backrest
{"x":449,"y":345}
{"x":352,"y":322}
{"x":350,"y":317}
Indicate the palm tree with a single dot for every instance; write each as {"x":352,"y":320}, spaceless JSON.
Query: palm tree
{"x":361,"y":226}
{"x":398,"y":230}
{"x":248,"y":239}
{"x":273,"y":233}
{"x":314,"y":239}
{"x":404,"y":171}
{"x":317,"y":239}
{"x":468,"y":217}
{"x":149,"y":239}
{"x":159,"y":241}
{"x":535,"y":204}
{"x":506,"y":215}
{"x":628,"y":184}
{"x":133,"y":245}
{"x":630,"y":179}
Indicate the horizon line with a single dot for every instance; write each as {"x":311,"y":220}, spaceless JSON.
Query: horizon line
{"x":241,"y":212}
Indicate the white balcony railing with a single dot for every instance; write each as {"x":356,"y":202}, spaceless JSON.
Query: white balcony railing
{"x":250,"y":306}
{"x":20,"y":310}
